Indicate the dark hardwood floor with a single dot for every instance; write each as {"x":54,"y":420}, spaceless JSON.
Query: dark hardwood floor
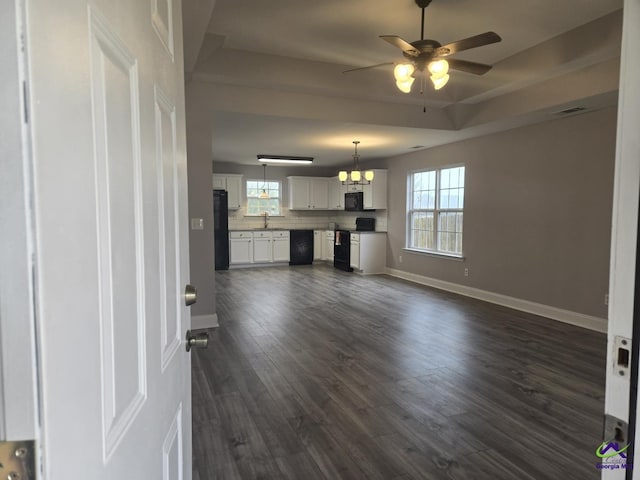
{"x":315,"y":373}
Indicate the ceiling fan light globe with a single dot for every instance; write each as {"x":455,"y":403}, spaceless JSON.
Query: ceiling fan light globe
{"x":438,"y":68}
{"x":403,"y":71}
{"x":438,"y":83}
{"x":405,"y":86}
{"x":355,"y":176}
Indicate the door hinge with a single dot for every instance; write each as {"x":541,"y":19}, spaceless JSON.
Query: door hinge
{"x":17,"y":460}
{"x":25,"y":97}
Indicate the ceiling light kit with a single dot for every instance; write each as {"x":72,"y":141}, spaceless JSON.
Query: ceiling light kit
{"x":355,"y":176}
{"x":264,"y":194}
{"x":427,"y":53}
{"x":285,"y":159}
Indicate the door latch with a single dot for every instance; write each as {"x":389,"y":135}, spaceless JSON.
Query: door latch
{"x":17,"y":460}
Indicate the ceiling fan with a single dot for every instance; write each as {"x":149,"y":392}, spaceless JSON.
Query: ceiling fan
{"x":427,"y":53}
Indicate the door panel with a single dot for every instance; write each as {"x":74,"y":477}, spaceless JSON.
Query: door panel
{"x":120,"y":244}
{"x":107,"y":110}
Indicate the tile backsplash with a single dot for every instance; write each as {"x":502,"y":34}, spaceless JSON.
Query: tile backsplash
{"x":306,"y":219}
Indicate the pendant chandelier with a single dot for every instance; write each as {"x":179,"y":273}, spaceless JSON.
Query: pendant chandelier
{"x":355,"y":176}
{"x":264,"y":193}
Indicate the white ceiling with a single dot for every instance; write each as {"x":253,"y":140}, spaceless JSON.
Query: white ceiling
{"x":268,"y":77}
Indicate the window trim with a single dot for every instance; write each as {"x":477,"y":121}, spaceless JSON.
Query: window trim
{"x":436,"y":211}
{"x":260,"y":182}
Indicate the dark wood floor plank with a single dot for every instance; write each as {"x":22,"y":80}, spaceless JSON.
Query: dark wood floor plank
{"x":316,"y":373}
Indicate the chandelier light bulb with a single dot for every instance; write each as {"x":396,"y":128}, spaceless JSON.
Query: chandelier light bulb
{"x":368,"y":175}
{"x":403,"y":72}
{"x":438,"y":83}
{"x":355,"y":176}
{"x":438,"y":68}
{"x":342,"y":176}
{"x":405,"y":86}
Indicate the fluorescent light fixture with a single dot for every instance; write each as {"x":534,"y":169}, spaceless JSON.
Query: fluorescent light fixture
{"x":284,"y":159}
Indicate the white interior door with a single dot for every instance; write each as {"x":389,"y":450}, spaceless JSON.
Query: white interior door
{"x":624,"y":238}
{"x":106,"y":103}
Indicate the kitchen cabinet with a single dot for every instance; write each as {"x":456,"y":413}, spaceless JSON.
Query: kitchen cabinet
{"x":265,"y":246}
{"x":318,"y":241}
{"x":233,"y":185}
{"x":329,"y":241}
{"x":262,"y":247}
{"x":281,"y":246}
{"x":240,"y":248}
{"x":336,"y":194}
{"x":355,"y":251}
{"x":308,"y":193}
{"x":368,"y":252}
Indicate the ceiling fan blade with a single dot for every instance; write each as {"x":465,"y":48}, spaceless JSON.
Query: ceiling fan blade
{"x":403,"y":45}
{"x":469,"y":67}
{"x":486,"y":38}
{"x":367,"y":68}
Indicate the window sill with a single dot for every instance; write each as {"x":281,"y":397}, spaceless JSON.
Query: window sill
{"x":450,"y":256}
{"x":262,"y":216}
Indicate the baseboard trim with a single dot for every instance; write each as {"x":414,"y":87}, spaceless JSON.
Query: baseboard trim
{"x":566,"y":316}
{"x":199,"y":322}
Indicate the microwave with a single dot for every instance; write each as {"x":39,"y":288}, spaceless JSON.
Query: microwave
{"x":353,"y":202}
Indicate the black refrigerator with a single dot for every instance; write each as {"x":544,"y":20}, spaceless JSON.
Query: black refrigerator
{"x":221,"y":229}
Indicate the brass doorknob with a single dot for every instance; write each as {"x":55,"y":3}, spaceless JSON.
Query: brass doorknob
{"x":190,"y":295}
{"x":197,"y":340}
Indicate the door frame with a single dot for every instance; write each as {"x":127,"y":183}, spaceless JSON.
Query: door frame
{"x":19,"y":411}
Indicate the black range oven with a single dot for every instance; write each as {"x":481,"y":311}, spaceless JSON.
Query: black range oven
{"x":342,"y":250}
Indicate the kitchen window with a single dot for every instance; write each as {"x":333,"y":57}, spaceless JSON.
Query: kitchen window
{"x":435,"y":209}
{"x":258,"y":206}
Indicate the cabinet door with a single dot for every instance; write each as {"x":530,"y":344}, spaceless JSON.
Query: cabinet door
{"x":234,"y":192}
{"x":299,"y":194}
{"x":281,"y":249}
{"x":241,"y":251}
{"x":262,"y":250}
{"x":355,"y":254}
{"x":367,"y":195}
{"x":334,"y":193}
{"x":320,"y":193}
{"x":317,"y":244}
{"x":328,"y":253}
{"x":219,"y":182}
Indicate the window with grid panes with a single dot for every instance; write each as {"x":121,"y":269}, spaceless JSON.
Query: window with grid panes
{"x":435,"y":210}
{"x":256,"y":205}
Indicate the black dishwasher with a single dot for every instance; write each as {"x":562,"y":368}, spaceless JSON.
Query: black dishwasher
{"x":301,"y":247}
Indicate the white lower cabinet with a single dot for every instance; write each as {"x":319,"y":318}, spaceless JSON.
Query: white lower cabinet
{"x":329,"y":240}
{"x":318,"y":238}
{"x":369,"y":252}
{"x":240,"y":248}
{"x":262,"y":247}
{"x":248,"y":247}
{"x":281,"y":246}
{"x":355,"y":250}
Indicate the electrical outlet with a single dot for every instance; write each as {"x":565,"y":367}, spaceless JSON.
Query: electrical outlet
{"x":400,"y":258}
{"x":466,"y":272}
{"x":606,"y":299}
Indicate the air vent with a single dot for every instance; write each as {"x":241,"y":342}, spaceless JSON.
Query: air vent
{"x":571,"y":110}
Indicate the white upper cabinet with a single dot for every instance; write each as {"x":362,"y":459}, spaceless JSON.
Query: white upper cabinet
{"x":336,"y":194}
{"x":233,"y":185}
{"x":374,"y":196}
{"x":308,"y":193}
